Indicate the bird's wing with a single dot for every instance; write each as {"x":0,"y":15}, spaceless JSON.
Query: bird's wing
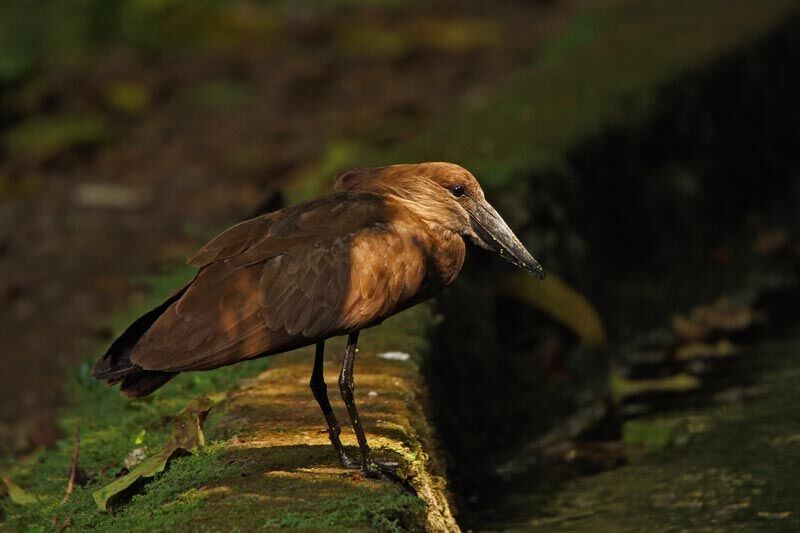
{"x":298,"y":291}
{"x":260,"y":238}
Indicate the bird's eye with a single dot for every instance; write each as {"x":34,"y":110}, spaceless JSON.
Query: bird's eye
{"x":457,"y":190}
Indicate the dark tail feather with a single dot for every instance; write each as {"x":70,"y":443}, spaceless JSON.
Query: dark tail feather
{"x":116,"y":366}
{"x":142,"y":382}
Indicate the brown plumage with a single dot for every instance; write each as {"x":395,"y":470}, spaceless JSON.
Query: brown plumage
{"x":390,"y":238}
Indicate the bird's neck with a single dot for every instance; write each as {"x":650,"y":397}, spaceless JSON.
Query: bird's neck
{"x":444,"y":250}
{"x":434,"y":231}
{"x":449,"y":256}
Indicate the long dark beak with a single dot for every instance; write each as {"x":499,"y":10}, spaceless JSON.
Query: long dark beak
{"x":495,"y":235}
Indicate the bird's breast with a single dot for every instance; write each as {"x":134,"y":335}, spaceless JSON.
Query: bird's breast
{"x":394,"y":268}
{"x":442,"y":253}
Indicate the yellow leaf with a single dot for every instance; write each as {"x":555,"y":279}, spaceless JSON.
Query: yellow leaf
{"x":17,"y":494}
{"x":563,"y":303}
{"x":622,"y":388}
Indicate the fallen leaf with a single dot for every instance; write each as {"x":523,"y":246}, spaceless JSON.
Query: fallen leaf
{"x":772,"y":242}
{"x":704,"y":350}
{"x":560,"y":301}
{"x":654,"y":434}
{"x":688,"y":329}
{"x":595,"y":456}
{"x":187,"y":434}
{"x":17,"y":494}
{"x":726,"y":315}
{"x":622,"y":388}
{"x":722,"y":315}
{"x":779,"y":515}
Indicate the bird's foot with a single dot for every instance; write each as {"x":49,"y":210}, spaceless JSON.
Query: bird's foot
{"x":389,"y":471}
{"x":346,"y":462}
{"x":370,"y":468}
{"x":374,"y":469}
{"x":380,"y":469}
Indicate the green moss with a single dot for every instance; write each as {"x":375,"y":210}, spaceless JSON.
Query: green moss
{"x":111,"y":426}
{"x":388,"y":512}
{"x":738,"y":471}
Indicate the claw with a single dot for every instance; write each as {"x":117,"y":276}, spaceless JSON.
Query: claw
{"x":348,"y":463}
{"x":388,"y":471}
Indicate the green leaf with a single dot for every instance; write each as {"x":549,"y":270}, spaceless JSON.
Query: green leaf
{"x":139,"y":438}
{"x":654,"y":434}
{"x":17,"y":494}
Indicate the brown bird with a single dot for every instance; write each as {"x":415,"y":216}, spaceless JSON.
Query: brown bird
{"x":391,"y":238}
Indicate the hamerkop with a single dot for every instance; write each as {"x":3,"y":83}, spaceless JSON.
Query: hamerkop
{"x":390,"y":238}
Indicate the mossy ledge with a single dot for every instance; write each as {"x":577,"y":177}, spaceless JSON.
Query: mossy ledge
{"x":267,"y":464}
{"x":277,"y":432}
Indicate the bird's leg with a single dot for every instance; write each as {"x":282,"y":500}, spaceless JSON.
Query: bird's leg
{"x":320,"y":390}
{"x":347,"y":387}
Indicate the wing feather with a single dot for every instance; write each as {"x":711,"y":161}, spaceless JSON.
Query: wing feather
{"x":323,"y":268}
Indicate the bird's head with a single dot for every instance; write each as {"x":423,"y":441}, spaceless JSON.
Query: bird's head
{"x":449,"y":195}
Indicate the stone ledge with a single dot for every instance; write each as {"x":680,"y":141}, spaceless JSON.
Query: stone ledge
{"x":279,"y":432}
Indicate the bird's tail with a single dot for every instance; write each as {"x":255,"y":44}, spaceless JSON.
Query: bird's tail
{"x":115,"y":367}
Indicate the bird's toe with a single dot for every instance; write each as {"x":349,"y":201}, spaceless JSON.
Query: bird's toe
{"x":346,"y":462}
{"x":382,"y":469}
{"x":389,"y":471}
